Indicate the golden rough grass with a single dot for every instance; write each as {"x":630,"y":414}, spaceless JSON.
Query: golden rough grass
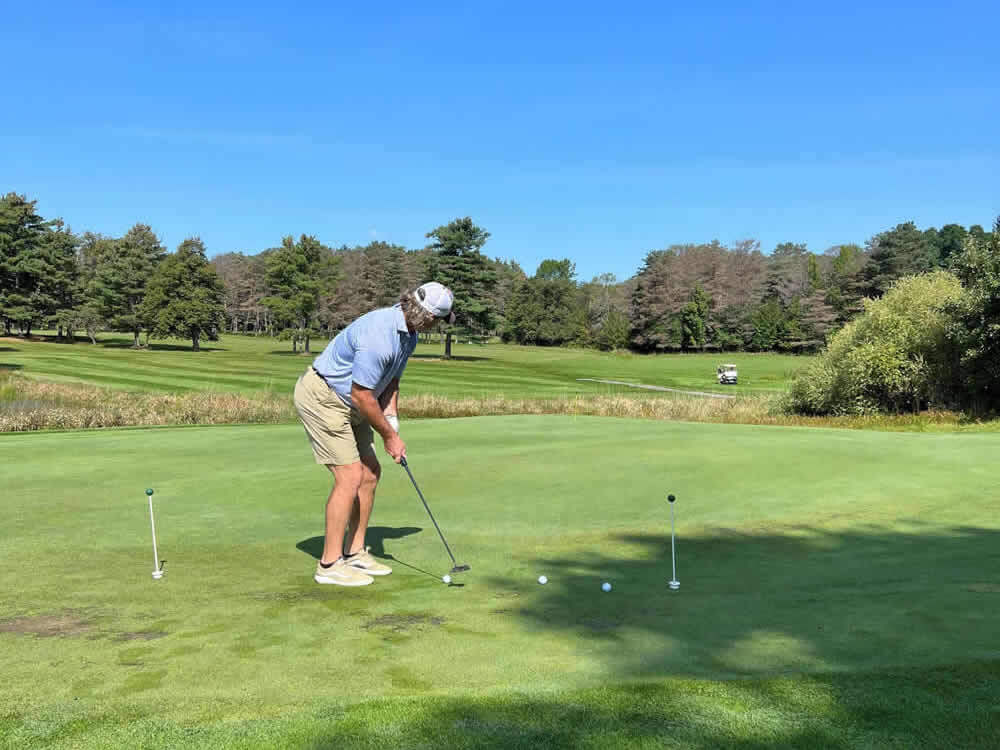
{"x":757,"y":410}
{"x":27,"y":405}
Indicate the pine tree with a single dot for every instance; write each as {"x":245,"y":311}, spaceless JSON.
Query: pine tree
{"x":22,"y":265}
{"x":694,"y":319}
{"x":297,"y":275}
{"x":901,"y":251}
{"x":123,"y":271}
{"x":58,"y":290}
{"x":458,"y":264}
{"x":184,"y":298}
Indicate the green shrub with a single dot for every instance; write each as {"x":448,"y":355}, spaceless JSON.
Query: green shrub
{"x":975,"y":330}
{"x":895,"y":357}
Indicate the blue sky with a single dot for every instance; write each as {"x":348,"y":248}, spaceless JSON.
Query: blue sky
{"x":592,"y":131}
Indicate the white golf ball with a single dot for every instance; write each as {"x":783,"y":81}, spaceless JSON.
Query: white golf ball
{"x":446,"y":579}
{"x":543,"y":579}
{"x":606,"y":586}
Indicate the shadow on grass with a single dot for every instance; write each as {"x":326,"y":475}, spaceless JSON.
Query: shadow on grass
{"x":775,"y":600}
{"x":375,"y":538}
{"x":8,"y":349}
{"x":936,"y":708}
{"x":454,"y":358}
{"x":914,"y":709}
{"x":156,"y":346}
{"x":10,"y":367}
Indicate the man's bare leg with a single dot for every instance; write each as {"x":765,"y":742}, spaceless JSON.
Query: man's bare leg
{"x":347,"y":482}
{"x":361,"y":508}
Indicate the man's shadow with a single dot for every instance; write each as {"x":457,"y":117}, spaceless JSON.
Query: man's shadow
{"x":375,"y":539}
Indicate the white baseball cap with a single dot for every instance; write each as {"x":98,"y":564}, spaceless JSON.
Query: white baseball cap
{"x":436,"y":299}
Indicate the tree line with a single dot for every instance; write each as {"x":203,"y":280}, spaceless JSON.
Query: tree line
{"x":690,"y":297}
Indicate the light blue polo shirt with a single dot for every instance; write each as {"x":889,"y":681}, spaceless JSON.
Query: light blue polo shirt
{"x":371,"y":351}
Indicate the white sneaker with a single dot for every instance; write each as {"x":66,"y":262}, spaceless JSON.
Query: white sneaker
{"x":364,"y":562}
{"x":342,"y":574}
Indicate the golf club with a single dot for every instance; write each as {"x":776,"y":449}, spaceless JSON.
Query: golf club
{"x":157,"y":565}
{"x":457,"y":568}
{"x":674,"y":583}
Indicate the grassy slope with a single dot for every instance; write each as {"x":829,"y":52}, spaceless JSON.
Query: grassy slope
{"x":819,"y":604}
{"x":240,"y":363}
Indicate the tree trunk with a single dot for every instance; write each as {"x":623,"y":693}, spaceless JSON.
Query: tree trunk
{"x":447,"y":345}
{"x":135,"y":340}
{"x":93,"y":337}
{"x":71,"y":334}
{"x":59,"y":334}
{"x":306,"y":350}
{"x":194,"y":342}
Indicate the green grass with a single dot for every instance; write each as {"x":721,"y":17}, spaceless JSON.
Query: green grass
{"x":245,"y":363}
{"x":838,"y":589}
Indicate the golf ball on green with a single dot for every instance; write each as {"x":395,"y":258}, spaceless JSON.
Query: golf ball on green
{"x":446,"y":579}
{"x":543,"y":579}
{"x":606,"y":586}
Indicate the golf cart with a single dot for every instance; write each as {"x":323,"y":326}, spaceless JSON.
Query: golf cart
{"x":726,"y":374}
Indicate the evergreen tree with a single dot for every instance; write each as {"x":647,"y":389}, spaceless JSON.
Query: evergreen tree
{"x":901,"y":251}
{"x":458,"y":263}
{"x":88,"y":311}
{"x":58,"y":290}
{"x":22,"y":265}
{"x":123,"y":271}
{"x":651,"y":303}
{"x":768,"y":325}
{"x":184,"y":298}
{"x":951,"y":240}
{"x":614,"y":330}
{"x":818,"y":319}
{"x":694,"y":319}
{"x":297,"y":275}
{"x":846,"y":281}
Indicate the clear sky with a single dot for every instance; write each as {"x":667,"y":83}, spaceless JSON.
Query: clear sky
{"x":591,"y":131}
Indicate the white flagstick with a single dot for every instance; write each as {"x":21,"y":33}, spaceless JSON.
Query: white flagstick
{"x":157,"y":569}
{"x":674,"y":583}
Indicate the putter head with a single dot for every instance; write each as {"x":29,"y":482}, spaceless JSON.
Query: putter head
{"x":460,"y":569}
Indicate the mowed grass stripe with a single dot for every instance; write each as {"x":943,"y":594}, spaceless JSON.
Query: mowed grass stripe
{"x":253,"y":364}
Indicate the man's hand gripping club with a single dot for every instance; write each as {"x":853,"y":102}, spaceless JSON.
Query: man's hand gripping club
{"x":371,"y":410}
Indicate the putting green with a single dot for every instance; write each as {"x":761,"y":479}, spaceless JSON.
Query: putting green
{"x":798,"y":551}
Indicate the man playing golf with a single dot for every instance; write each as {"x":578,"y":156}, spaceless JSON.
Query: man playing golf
{"x":349,"y":390}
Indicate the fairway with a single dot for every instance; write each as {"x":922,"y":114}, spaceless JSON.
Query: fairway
{"x":814,"y":564}
{"x":246,"y":363}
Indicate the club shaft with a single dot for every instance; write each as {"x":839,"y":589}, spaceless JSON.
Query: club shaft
{"x":152,"y":525}
{"x":428,"y":508}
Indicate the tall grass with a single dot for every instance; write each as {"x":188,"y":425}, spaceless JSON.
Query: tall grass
{"x":30,"y":405}
{"x":754,"y":410}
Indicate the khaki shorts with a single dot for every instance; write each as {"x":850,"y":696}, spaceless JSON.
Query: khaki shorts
{"x":339,"y":434}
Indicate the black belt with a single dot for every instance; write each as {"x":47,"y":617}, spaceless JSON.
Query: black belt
{"x":318,"y":373}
